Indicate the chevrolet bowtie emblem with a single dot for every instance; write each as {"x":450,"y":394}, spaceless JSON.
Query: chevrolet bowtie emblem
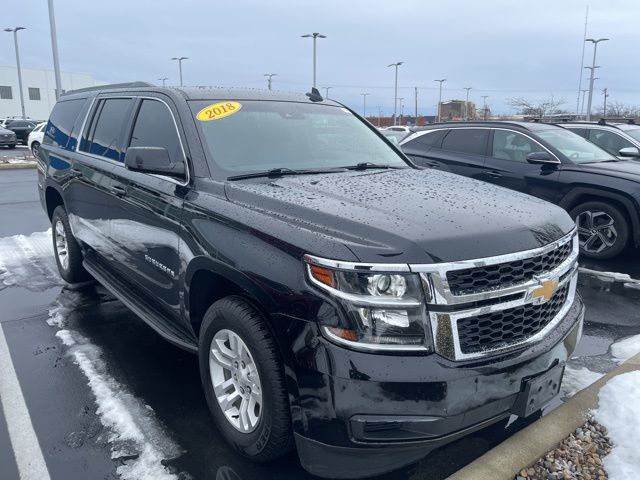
{"x":546,"y":290}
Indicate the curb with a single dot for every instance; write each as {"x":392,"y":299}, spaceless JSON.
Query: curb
{"x":526,"y":446}
{"x":11,"y":166}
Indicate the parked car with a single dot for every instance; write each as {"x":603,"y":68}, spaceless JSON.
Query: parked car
{"x":620,"y":139}
{"x":35,"y":138}
{"x":398,"y":128}
{"x":340,"y":299}
{"x":598,"y":190}
{"x":22,"y":129}
{"x":394,"y":136}
{"x":7,"y":138}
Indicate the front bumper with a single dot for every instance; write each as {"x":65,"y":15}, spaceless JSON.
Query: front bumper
{"x":360,"y":414}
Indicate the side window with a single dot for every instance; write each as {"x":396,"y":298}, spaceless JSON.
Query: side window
{"x":609,"y":141}
{"x":583,"y":132}
{"x":105,"y":133}
{"x":61,"y":122}
{"x":154,"y":127}
{"x":426,"y":141}
{"x":514,"y":146}
{"x":466,"y":140}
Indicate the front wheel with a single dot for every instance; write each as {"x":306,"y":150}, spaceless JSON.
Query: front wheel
{"x":66,"y":249}
{"x":603,"y":229}
{"x":243,"y":380}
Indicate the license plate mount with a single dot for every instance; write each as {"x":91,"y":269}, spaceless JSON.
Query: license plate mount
{"x":538,"y":391}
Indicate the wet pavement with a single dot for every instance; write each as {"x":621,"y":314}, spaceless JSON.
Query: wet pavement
{"x":58,"y":338}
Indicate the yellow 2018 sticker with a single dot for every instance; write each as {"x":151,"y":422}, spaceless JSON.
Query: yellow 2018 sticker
{"x":218,"y":110}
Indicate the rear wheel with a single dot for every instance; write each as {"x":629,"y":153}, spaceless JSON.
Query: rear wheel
{"x":243,"y":380}
{"x":603,"y":229}
{"x":66,"y":249}
{"x":35,"y":148}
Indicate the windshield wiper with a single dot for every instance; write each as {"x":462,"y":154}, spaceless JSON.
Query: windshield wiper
{"x":369,"y":165}
{"x":281,"y":172}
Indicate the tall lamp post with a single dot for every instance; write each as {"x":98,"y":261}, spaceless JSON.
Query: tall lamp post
{"x":15,"y":41}
{"x":395,"y":95}
{"x":584,"y":92}
{"x":180,"y":59}
{"x":269,"y":77}
{"x":441,"y":81}
{"x":593,"y":69}
{"x":315,"y":37}
{"x":484,"y":106}
{"x":400,"y":99}
{"x":164,"y":81}
{"x":54,"y":49}
{"x":466,"y":105}
{"x":364,"y":104}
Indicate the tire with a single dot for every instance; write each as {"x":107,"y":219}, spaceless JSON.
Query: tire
{"x":69,"y":264}
{"x":35,"y":148}
{"x":271,"y":435}
{"x":12,"y":146}
{"x":603,"y":229}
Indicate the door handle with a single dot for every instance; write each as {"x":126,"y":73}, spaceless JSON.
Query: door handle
{"x":118,"y":190}
{"x":494,"y":174}
{"x":76,"y":172}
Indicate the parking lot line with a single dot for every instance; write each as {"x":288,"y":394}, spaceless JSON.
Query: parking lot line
{"x":26,"y":449}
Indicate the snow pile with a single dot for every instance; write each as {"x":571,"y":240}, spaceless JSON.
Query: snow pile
{"x":576,"y":379}
{"x":28,"y":261}
{"x":618,"y":412}
{"x":623,"y":350}
{"x":612,"y":277}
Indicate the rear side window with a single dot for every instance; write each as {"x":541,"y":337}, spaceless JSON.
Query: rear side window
{"x":466,"y":140}
{"x":580,"y":131}
{"x":154,"y":127}
{"x":104,"y":137}
{"x":63,"y":116}
{"x":427,"y":141}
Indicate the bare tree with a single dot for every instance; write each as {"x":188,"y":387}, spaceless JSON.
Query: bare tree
{"x":537,"y":108}
{"x":621,"y":110}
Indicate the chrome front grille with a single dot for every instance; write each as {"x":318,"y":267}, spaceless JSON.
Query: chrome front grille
{"x":486,"y":307}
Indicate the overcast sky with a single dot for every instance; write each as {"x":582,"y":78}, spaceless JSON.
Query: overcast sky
{"x":501,"y":48}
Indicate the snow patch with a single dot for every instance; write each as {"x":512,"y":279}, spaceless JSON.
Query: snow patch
{"x":618,"y":412}
{"x":623,"y":350}
{"x":611,"y":276}
{"x":576,"y":379}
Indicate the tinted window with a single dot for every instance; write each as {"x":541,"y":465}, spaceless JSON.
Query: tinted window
{"x":61,"y":122}
{"x":154,"y":127}
{"x":105,"y":133}
{"x":583,"y":132}
{"x":611,"y":142}
{"x":514,"y":146}
{"x":578,"y":149}
{"x":433,"y":138}
{"x":466,"y":140}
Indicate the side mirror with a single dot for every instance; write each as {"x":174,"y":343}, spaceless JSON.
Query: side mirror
{"x":542,"y":158}
{"x":629,"y":152}
{"x":153,"y":160}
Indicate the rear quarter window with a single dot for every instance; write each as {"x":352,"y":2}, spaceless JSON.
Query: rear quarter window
{"x":63,"y":116}
{"x":427,"y":141}
{"x":472,"y":141}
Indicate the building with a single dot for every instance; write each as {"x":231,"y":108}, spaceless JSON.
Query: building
{"x":454,"y":110}
{"x":39,"y":87}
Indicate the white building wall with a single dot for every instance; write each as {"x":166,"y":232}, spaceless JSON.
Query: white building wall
{"x":45,"y":80}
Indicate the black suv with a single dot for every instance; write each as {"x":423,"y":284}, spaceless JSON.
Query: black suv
{"x":600,"y":192}
{"x":340,"y":300}
{"x":22,"y":129}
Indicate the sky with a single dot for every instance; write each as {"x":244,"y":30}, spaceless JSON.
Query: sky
{"x":500,"y":48}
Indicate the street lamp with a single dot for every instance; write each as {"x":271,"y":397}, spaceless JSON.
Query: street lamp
{"x":395,"y":95}
{"x":400,"y":100}
{"x":315,"y":36}
{"x":441,"y":81}
{"x":15,"y":41}
{"x":180,"y":59}
{"x":326,"y":91}
{"x":164,"y":81}
{"x":54,"y":49}
{"x":584,"y":92}
{"x":593,"y":69}
{"x":466,"y":105}
{"x":364,"y":106}
{"x":484,"y":106}
{"x":269,"y":77}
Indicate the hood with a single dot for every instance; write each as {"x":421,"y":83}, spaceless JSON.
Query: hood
{"x":406,"y":216}
{"x":627,"y":169}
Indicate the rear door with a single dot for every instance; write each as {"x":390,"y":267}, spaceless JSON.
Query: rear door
{"x":146,"y":221}
{"x":507,"y":166}
{"x":463,"y":151}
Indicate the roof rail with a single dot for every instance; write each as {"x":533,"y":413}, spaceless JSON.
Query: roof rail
{"x":602,"y":121}
{"x":110,"y":87}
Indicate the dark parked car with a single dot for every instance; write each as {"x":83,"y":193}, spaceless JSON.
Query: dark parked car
{"x":22,"y":129}
{"x":620,"y":139}
{"x":340,"y":300}
{"x":8,"y":138}
{"x":600,"y":192}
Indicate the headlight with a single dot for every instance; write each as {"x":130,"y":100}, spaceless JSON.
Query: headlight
{"x":383,"y":310}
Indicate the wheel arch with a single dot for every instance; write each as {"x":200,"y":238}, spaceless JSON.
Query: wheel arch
{"x":53,"y":198}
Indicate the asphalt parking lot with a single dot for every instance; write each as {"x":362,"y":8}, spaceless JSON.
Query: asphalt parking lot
{"x":19,"y":151}
{"x":105,"y":395}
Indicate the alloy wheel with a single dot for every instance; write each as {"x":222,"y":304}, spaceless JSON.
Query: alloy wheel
{"x":596,"y":231}
{"x":235,"y":380}
{"x":35,"y":149}
{"x":62,"y":251}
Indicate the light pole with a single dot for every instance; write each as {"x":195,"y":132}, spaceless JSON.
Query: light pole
{"x":315,"y":36}
{"x":401,"y":106}
{"x":15,"y":41}
{"x":180,"y":59}
{"x":583,"y":95}
{"x":415,"y":92}
{"x":379,"y":114}
{"x":395,"y":95}
{"x":54,"y":49}
{"x":441,"y":81}
{"x":364,"y":104}
{"x":466,"y":105}
{"x":593,"y":69}
{"x":326,"y":91}
{"x":606,"y":95}
{"x":269,"y":77}
{"x":484,"y":106}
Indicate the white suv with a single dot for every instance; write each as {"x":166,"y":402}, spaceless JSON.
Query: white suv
{"x":35,"y":138}
{"x":619,"y":139}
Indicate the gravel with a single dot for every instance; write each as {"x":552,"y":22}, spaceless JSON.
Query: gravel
{"x":579,"y":456}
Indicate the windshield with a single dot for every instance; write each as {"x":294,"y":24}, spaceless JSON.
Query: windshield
{"x":633,"y":132}
{"x":578,"y":149}
{"x":255,"y":136}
